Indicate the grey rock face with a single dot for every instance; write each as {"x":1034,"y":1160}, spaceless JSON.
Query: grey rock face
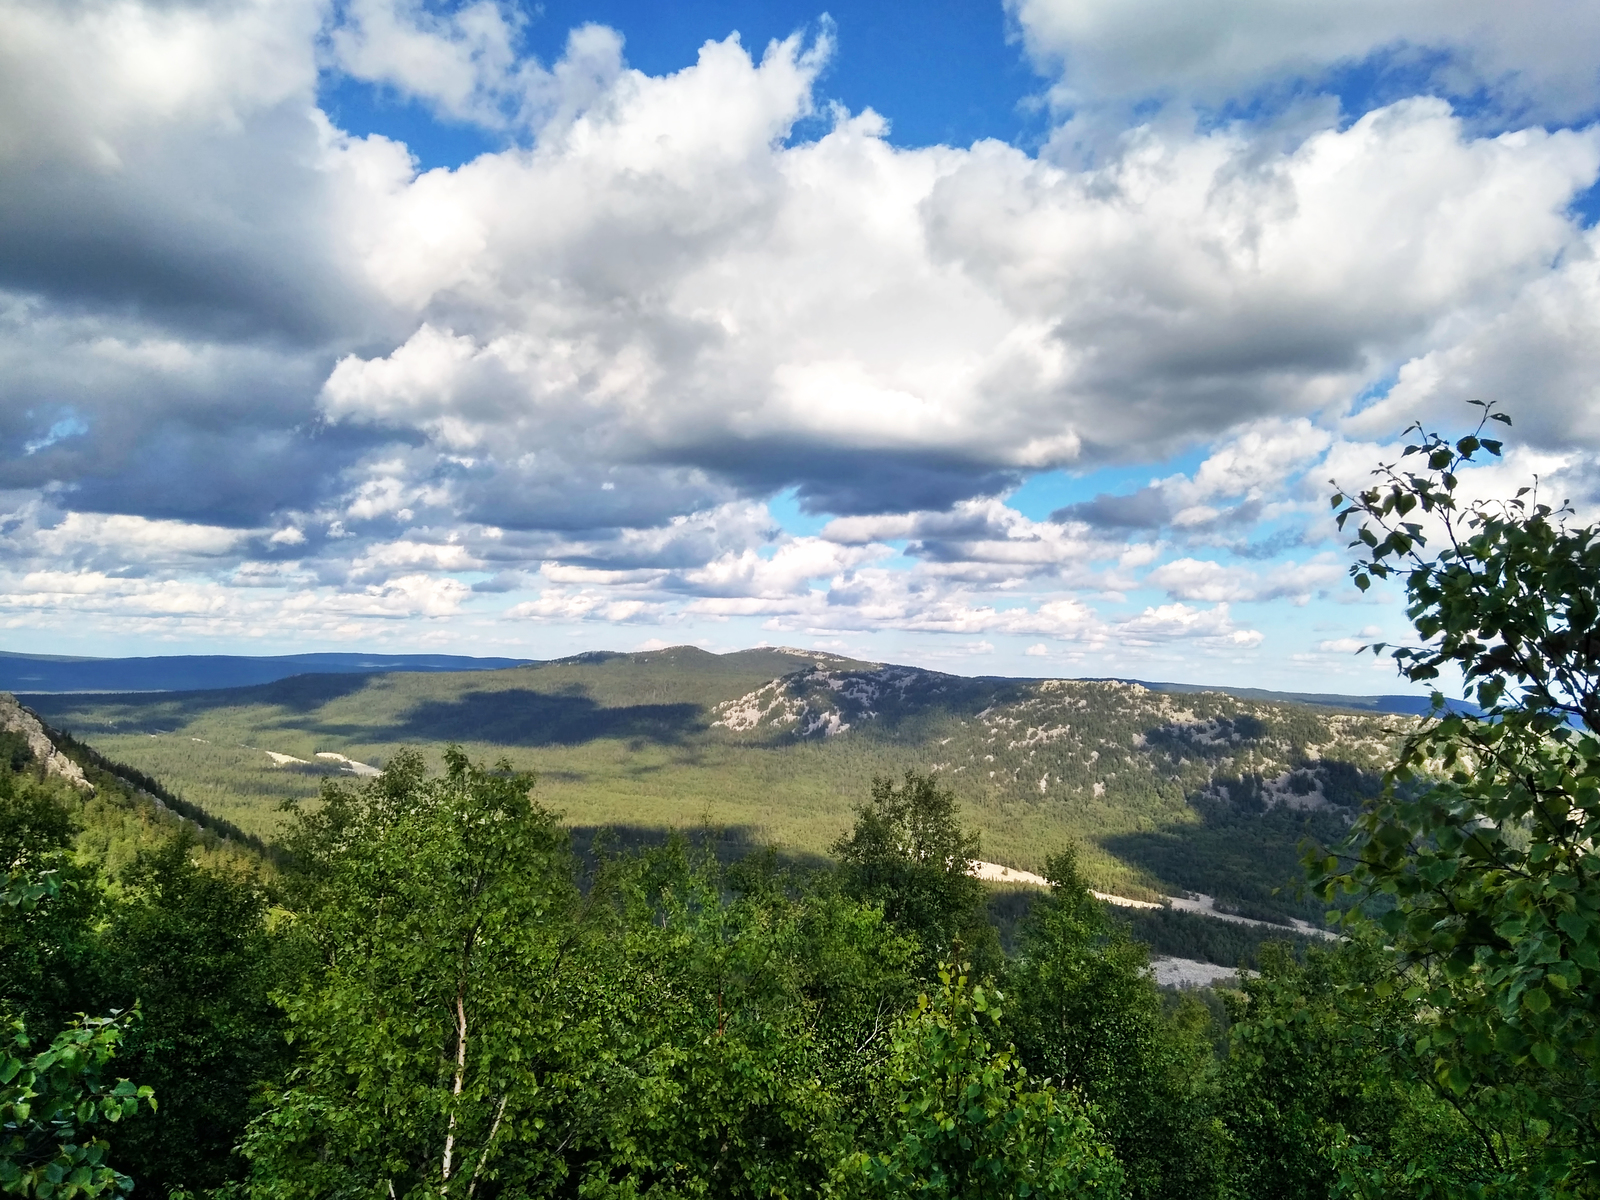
{"x":16,"y":719}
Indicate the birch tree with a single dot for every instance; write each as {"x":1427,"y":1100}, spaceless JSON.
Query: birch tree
{"x":442,"y":911}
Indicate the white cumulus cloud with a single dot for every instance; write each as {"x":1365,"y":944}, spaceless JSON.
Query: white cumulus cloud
{"x":265,"y":373}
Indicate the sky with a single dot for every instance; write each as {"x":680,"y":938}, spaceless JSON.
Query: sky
{"x":1011,"y":338}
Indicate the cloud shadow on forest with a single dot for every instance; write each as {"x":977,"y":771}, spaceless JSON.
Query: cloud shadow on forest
{"x":526,"y":718}
{"x":1250,"y":862}
{"x":149,"y":712}
{"x":730,"y":843}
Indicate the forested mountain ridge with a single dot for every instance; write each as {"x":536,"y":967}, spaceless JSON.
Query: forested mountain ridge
{"x":1164,"y":791}
{"x":28,"y":739}
{"x":117,"y":811}
{"x":1079,"y":733}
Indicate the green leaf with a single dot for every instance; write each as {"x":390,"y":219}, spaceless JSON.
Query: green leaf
{"x":1575,"y":926}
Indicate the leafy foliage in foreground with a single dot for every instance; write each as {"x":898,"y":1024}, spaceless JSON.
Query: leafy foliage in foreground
{"x":501,"y":1033}
{"x":188,"y":944}
{"x":52,"y":1101}
{"x":968,"y":1119}
{"x":462,"y":1009}
{"x":1086,"y":1015}
{"x":1484,"y":842}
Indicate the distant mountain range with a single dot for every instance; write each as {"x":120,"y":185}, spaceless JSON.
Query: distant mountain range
{"x":54,"y":673}
{"x":195,"y":672}
{"x":1414,"y":706}
{"x":1165,"y":788}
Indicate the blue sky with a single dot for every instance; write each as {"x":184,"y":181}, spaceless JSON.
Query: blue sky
{"x":1005,"y":338}
{"x":948,"y":73}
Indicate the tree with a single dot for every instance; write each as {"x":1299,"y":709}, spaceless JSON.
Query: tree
{"x":440,"y":909}
{"x":52,"y":1100}
{"x":477,"y":1028}
{"x":969,"y":1122}
{"x":50,"y":1103}
{"x":1086,"y":1012}
{"x":1319,"y":1096}
{"x":856,"y":976}
{"x":1480,"y":856}
{"x":50,"y":904}
{"x":191,"y":947}
{"x":909,"y":854}
{"x":712,"y":1079}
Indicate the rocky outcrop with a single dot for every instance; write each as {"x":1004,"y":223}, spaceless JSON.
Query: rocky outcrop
{"x":816,"y":701}
{"x":16,"y":719}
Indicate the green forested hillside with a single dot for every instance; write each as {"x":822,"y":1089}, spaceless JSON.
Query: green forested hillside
{"x":1196,"y":791}
{"x":115,"y":813}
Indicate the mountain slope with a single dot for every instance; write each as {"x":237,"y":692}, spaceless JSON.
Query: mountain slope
{"x":1164,"y":791}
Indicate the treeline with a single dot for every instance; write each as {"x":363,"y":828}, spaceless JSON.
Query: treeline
{"x":1181,"y":934}
{"x":102,"y":771}
{"x":437,"y":997}
{"x":118,"y":816}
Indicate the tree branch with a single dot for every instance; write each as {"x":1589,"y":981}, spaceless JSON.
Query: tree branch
{"x":483,"y":1157}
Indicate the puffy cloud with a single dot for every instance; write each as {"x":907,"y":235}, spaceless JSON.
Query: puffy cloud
{"x":1248,"y":475}
{"x":585,"y":606}
{"x":887,"y":600}
{"x":80,"y":78}
{"x":1212,"y":582}
{"x":142,"y":419}
{"x":136,"y":539}
{"x":700,"y":309}
{"x":1148,"y":305}
{"x":1149,"y":507}
{"x":982,"y":540}
{"x":51,"y":598}
{"x":166,"y":161}
{"x":1196,"y":284}
{"x":465,"y":63}
{"x":1535,"y":57}
{"x":1259,"y":460}
{"x":384,"y":559}
{"x":1537,"y":357}
{"x":790,"y":568}
{"x":1193,"y":579}
{"x":1167,"y":622}
{"x":309,"y":386}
